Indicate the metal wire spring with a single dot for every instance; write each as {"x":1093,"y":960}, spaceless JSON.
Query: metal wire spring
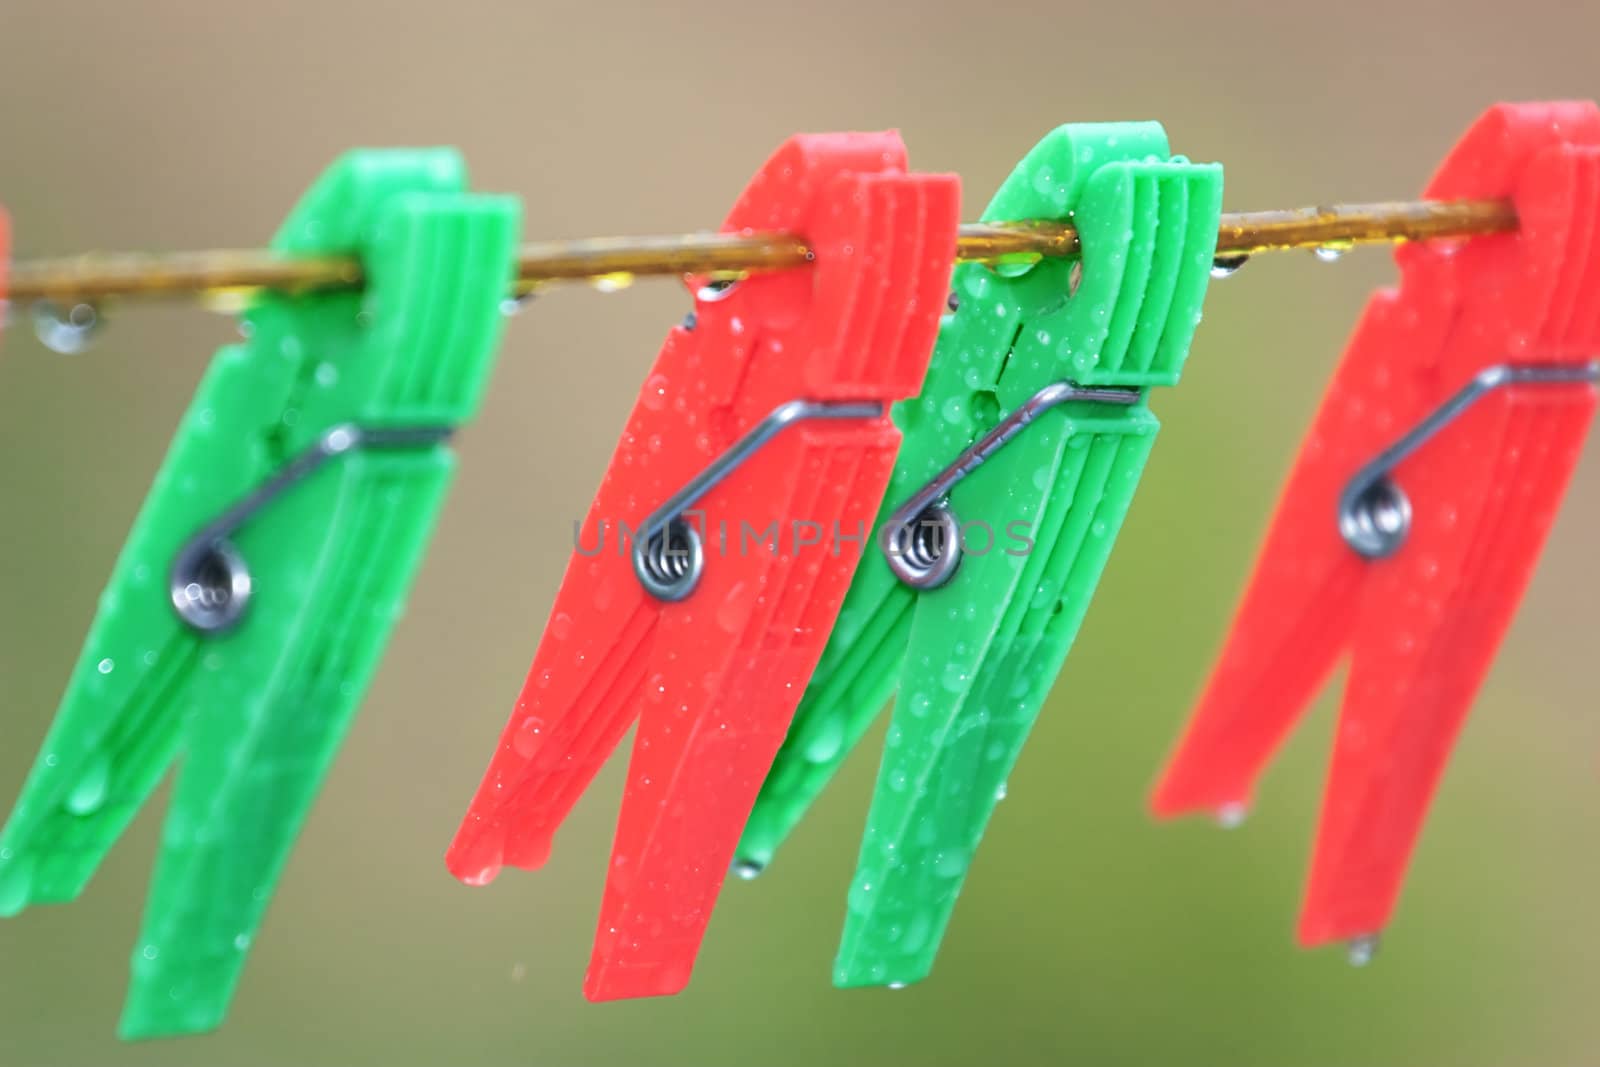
{"x":668,"y":555}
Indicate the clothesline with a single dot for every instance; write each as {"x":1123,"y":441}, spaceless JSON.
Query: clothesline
{"x":226,"y":275}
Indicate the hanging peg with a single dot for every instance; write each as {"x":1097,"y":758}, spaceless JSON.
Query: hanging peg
{"x":1414,"y":515}
{"x":1022,"y":454}
{"x":250,"y":605}
{"x":712,"y":563}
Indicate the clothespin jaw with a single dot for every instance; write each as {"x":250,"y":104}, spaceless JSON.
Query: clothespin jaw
{"x":713,"y":561}
{"x":1414,"y":515}
{"x":973,"y":657}
{"x":257,"y":589}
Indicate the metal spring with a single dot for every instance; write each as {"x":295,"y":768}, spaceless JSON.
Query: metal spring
{"x":668,"y":562}
{"x":211,"y":586}
{"x":210,"y":582}
{"x":929,"y":509}
{"x":669,"y":565}
{"x":925,"y":552}
{"x":1374,"y":511}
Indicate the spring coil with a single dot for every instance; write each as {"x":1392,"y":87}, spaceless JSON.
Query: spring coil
{"x":210,"y":586}
{"x":925,"y":552}
{"x":668,"y":563}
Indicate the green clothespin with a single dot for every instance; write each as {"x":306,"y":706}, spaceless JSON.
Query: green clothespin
{"x":250,"y":606}
{"x":1020,"y":459}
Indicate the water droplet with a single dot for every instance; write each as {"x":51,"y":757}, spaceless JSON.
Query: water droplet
{"x":150,"y":952}
{"x":859,"y":899}
{"x":1362,"y":950}
{"x":327,"y":375}
{"x":529,"y":733}
{"x":241,"y":941}
{"x":654,"y":395}
{"x":733,"y":611}
{"x":107,"y":666}
{"x":716,"y":289}
{"x":66,"y":333}
{"x":954,"y":677}
{"x":612,"y":283}
{"x":90,"y":793}
{"x":1332,"y":252}
{"x":512,"y":306}
{"x":950,"y":864}
{"x":897,"y":985}
{"x":747,"y":869}
{"x":953,"y":301}
{"x":1232,"y":815}
{"x":825,"y":739}
{"x":1225,"y":266}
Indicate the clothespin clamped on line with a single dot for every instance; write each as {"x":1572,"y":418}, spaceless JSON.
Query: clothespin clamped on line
{"x":996,"y":530}
{"x":1415,"y":513}
{"x":769,"y":405}
{"x":248,"y":610}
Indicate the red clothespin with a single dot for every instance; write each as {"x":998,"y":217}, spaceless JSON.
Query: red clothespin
{"x":1415,"y":513}
{"x":716,"y":554}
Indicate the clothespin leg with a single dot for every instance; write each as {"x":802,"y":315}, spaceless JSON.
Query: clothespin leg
{"x":1431,"y":624}
{"x":1295,"y":619}
{"x":121,"y":720}
{"x":934,"y":798}
{"x":851,"y":685}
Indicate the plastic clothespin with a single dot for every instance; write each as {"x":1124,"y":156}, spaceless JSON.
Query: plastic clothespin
{"x":1415,"y":513}
{"x":766,"y":412}
{"x":973,"y":637}
{"x":250,"y":606}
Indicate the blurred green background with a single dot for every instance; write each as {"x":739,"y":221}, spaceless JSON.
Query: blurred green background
{"x":1087,"y":933}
